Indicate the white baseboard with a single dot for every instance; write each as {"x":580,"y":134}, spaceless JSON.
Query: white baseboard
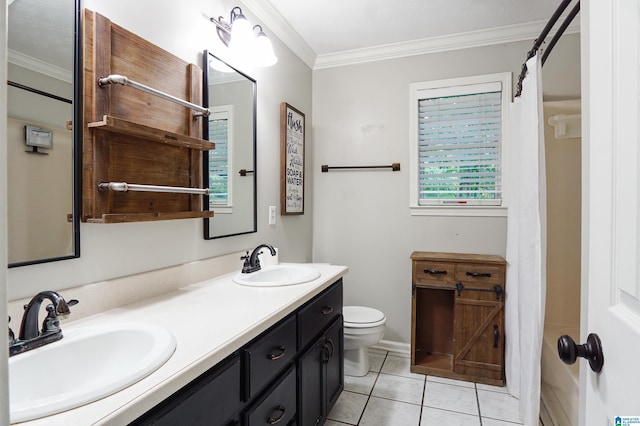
{"x":391,"y":346}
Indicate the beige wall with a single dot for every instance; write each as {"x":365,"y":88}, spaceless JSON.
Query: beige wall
{"x":109,"y":251}
{"x":361,"y":218}
{"x":563,"y":161}
{"x":38,"y":208}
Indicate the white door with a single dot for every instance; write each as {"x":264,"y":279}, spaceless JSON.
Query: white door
{"x":611,"y":208}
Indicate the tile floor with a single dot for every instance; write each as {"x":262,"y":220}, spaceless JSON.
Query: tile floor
{"x":390,"y":395}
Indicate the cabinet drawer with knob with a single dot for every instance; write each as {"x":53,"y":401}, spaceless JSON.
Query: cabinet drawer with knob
{"x":278,"y":406}
{"x":315,"y":316}
{"x":489,"y":274}
{"x":433,"y":272}
{"x":265,"y":357}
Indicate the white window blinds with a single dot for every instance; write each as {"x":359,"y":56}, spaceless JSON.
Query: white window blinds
{"x":219,"y":159}
{"x":460,"y":145}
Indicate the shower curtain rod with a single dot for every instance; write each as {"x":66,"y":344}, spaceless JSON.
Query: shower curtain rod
{"x":545,"y":31}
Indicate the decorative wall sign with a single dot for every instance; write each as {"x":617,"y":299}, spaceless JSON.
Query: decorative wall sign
{"x":291,"y":160}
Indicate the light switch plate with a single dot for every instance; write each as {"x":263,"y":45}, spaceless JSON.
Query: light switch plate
{"x":272,"y":215}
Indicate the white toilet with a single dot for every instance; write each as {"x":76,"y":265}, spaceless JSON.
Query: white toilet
{"x":363,"y":327}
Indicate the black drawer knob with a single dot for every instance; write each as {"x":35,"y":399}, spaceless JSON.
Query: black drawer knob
{"x":434,"y":272}
{"x":327,"y":310}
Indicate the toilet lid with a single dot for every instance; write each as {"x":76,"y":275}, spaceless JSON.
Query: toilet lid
{"x":361,"y":315}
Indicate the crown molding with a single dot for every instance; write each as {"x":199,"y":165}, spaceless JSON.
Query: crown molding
{"x":265,"y":12}
{"x":39,"y":66}
{"x":491,"y":36}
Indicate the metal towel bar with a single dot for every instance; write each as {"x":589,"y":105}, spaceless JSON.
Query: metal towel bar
{"x":124,"y":187}
{"x":394,"y":167}
{"x":121,"y":79}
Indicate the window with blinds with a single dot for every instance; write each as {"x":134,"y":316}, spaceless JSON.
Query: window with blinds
{"x":219,"y":179}
{"x":459,"y":138}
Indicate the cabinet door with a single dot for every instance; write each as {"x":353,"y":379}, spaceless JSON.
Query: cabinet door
{"x":310,"y":384}
{"x":479,"y":338}
{"x":209,"y":400}
{"x":334,"y":365}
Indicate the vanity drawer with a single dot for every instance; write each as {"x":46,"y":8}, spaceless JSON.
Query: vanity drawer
{"x":278,"y":406}
{"x":314,"y":317}
{"x":479,"y":273}
{"x":265,"y":357}
{"x":433,"y":272}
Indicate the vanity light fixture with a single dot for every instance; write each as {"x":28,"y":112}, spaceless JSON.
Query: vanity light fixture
{"x":242,"y":40}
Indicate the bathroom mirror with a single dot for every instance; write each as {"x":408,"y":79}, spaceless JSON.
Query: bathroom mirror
{"x":42,"y":142}
{"x":229,"y":169}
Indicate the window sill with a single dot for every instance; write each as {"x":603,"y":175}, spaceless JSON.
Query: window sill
{"x":221,"y":210}
{"x":462,"y":211}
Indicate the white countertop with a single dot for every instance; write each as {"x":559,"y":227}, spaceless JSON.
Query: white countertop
{"x":210,"y":320}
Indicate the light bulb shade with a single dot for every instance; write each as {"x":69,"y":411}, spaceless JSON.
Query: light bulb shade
{"x":263,"y":51}
{"x":241,"y":34}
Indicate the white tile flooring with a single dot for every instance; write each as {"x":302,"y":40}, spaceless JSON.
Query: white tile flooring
{"x":390,"y":395}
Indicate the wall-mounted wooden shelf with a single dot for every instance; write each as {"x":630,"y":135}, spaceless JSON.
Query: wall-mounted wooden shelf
{"x":138,"y":137}
{"x":124,"y":127}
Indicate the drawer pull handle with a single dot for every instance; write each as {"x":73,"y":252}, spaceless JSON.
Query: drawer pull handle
{"x":496,"y":336}
{"x":478,"y":275}
{"x":282,"y":350}
{"x":327,"y":310}
{"x":275,"y":420}
{"x":498,"y":289}
{"x":329,"y":348}
{"x":434,"y":272}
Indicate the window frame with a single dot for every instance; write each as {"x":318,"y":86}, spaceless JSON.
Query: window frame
{"x":226,"y":112}
{"x":455,"y":86}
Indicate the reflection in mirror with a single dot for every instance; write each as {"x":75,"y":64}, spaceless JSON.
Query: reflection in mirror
{"x":43,"y":198}
{"x":230,"y":169}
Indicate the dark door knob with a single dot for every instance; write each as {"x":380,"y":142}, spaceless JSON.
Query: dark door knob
{"x":568,"y":351}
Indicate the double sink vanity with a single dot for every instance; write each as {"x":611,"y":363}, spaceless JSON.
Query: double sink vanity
{"x":256,"y":348}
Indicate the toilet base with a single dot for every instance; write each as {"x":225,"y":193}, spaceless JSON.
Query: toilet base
{"x":356,"y":362}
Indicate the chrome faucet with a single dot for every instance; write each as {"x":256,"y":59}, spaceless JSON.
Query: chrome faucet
{"x":30,"y":337}
{"x":252,"y":262}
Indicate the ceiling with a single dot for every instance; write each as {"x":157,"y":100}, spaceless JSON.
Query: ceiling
{"x":339,"y":27}
{"x":319,"y":31}
{"x":28,"y":21}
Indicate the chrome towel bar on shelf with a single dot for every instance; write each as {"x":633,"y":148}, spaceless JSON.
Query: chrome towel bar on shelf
{"x":395,"y":167}
{"x":125,"y":81}
{"x":124,"y":187}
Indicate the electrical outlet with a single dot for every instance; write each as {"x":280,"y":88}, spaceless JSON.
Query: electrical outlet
{"x":272,"y":215}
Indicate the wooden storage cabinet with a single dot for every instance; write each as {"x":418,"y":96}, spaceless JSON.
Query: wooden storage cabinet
{"x":457,"y":319}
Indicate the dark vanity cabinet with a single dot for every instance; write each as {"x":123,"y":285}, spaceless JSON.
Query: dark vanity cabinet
{"x":214,"y":398}
{"x":321,"y":367}
{"x":292,"y":373}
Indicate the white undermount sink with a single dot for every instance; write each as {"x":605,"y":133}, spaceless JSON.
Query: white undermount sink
{"x":89,"y":363}
{"x":278,"y":275}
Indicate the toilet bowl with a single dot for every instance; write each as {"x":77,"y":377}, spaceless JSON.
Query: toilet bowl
{"x":363,"y":327}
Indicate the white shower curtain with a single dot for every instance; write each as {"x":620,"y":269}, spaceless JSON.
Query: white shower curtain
{"x":526,"y":245}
